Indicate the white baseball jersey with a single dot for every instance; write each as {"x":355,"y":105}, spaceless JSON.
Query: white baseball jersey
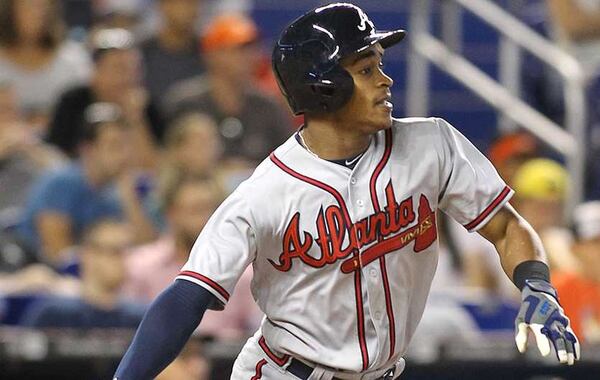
{"x":343,"y":259}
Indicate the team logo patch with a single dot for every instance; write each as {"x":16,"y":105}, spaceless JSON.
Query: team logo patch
{"x":383,"y":232}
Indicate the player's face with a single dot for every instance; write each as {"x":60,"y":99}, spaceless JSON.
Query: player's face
{"x":370,"y":106}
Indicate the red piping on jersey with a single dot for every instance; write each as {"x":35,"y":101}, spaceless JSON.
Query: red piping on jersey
{"x":386,"y":285}
{"x":503,"y":194}
{"x":218,"y":288}
{"x":280,"y":361}
{"x":258,"y":373}
{"x":350,"y":226}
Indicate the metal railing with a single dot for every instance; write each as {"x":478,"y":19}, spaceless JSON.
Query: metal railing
{"x":515,"y":36}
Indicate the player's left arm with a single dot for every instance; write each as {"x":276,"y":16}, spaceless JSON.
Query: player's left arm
{"x":523,"y":259}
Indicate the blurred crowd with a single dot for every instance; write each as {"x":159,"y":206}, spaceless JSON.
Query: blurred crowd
{"x":119,"y":137}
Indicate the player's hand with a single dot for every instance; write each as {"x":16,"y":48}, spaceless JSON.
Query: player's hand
{"x":541,"y":312}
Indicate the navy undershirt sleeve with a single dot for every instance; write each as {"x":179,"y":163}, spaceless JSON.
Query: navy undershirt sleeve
{"x":165,"y":329}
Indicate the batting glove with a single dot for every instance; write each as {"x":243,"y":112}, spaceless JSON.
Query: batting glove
{"x":541,"y":312}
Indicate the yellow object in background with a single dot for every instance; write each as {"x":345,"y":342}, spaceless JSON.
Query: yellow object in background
{"x":541,"y":178}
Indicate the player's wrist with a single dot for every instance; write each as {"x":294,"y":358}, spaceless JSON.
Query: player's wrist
{"x":531,"y":271}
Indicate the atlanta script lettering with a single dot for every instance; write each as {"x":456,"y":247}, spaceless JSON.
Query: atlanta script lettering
{"x":388,"y":228}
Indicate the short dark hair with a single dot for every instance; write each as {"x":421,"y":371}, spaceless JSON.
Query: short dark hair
{"x":95,"y":116}
{"x":52,"y":36}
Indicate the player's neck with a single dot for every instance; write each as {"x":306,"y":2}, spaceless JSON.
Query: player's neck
{"x":329,"y":142}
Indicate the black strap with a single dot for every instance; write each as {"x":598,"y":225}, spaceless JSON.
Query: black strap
{"x":299,"y":369}
{"x":303,"y":371}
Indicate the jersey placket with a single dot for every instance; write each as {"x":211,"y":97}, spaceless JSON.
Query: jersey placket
{"x":377,"y":324}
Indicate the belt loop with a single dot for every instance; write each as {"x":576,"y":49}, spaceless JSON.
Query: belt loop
{"x":319,"y":373}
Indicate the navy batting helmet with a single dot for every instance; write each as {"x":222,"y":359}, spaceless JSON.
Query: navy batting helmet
{"x":306,"y":59}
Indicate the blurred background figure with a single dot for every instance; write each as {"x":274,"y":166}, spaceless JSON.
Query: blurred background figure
{"x":541,"y":188}
{"x":151,"y":268}
{"x":99,"y":304}
{"x":190,"y":364}
{"x":123,"y":14}
{"x":116,"y":78}
{"x":509,"y":151}
{"x":579,"y":287}
{"x":37,"y":279}
{"x":577,"y":28}
{"x":23,"y":155}
{"x":173,"y":53}
{"x":65,"y":202}
{"x":37,"y":58}
{"x":251,"y":123}
{"x":193,"y":149}
{"x":187,"y":205}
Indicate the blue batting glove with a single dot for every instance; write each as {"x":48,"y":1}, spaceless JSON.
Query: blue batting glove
{"x":541,"y":312}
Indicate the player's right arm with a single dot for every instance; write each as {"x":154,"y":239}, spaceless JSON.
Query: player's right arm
{"x":165,"y":329}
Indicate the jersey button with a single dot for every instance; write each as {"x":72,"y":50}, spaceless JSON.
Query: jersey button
{"x":353,"y":181}
{"x":360,"y":203}
{"x":373,"y":273}
{"x":377,"y":315}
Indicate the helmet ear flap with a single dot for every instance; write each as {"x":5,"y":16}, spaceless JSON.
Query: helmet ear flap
{"x":324,"y":87}
{"x":333,"y":89}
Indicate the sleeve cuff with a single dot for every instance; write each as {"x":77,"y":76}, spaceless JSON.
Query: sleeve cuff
{"x":210,"y":285}
{"x":490,"y":210}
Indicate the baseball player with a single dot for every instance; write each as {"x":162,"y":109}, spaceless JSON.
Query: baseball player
{"x":339,"y":224}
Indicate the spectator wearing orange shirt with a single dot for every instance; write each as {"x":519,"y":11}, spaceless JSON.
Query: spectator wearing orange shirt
{"x":580,"y":291}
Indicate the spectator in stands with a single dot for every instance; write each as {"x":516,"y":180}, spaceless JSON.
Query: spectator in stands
{"x":99,"y":184}
{"x":102,"y":274}
{"x":151,"y":268}
{"x":193,"y":145}
{"x":23,"y":156}
{"x":251,"y":123}
{"x":190,"y":364}
{"x":36,"y":57}
{"x":115,"y":79}
{"x":577,"y":24}
{"x":510,"y":151}
{"x":192,"y":150}
{"x":576,"y":27}
{"x":173,"y":54}
{"x":580,"y":289}
{"x":36,"y":279}
{"x":541,"y":187}
{"x":125,"y":14}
